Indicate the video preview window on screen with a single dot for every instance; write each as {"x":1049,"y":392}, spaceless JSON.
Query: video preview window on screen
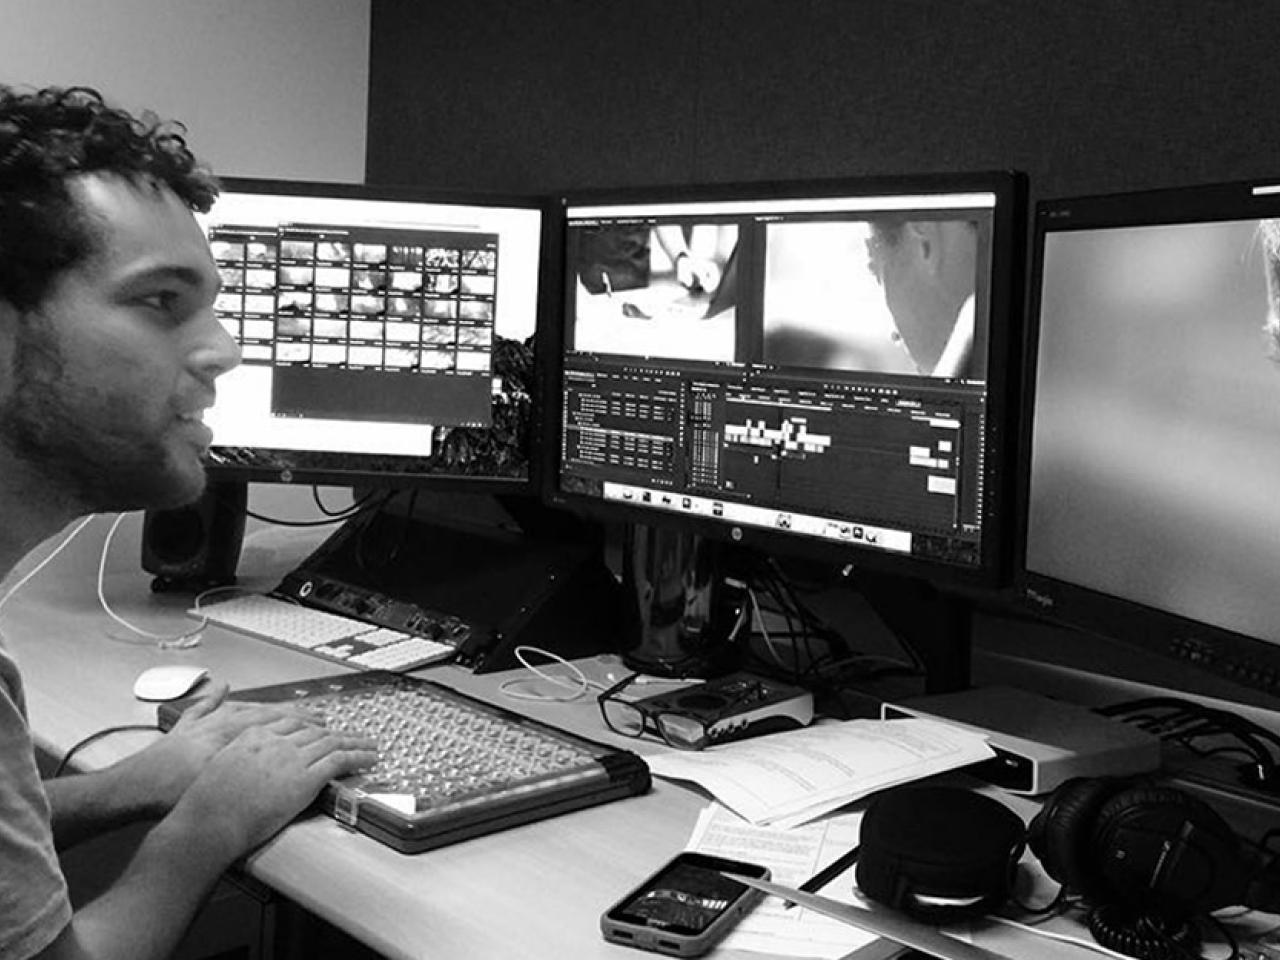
{"x":376,"y":335}
{"x":815,"y":366}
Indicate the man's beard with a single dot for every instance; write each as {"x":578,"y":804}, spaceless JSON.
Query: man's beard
{"x":100,"y":461}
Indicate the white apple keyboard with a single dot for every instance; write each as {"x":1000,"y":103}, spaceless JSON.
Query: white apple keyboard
{"x":329,"y":636}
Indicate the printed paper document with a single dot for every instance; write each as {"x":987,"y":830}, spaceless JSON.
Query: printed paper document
{"x":786,"y":779}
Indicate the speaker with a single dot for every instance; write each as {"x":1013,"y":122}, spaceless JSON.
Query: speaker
{"x":197,"y":546}
{"x":938,"y":853}
{"x":1150,"y":849}
{"x":682,"y":603}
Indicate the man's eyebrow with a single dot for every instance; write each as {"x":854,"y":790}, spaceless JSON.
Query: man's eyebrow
{"x":187,"y":276}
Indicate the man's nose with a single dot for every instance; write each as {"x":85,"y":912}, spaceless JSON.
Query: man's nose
{"x":218,"y":350}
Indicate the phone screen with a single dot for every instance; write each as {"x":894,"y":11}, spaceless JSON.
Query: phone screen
{"x":688,"y":895}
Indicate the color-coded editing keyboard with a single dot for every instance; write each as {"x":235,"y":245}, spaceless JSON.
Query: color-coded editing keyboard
{"x":450,"y":767}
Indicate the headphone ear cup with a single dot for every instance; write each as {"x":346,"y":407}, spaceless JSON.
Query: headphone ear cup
{"x":1061,"y":834}
{"x":1160,"y":848}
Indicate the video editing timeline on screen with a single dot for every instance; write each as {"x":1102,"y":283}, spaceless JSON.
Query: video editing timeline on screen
{"x":364,"y":323}
{"x":753,"y":447}
{"x":803,"y":394}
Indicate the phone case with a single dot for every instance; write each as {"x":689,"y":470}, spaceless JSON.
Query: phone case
{"x":685,"y":907}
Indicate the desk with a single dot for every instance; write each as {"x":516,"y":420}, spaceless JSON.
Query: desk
{"x":533,"y":891}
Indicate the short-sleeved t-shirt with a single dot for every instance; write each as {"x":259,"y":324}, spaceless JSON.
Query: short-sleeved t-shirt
{"x":34,"y":906}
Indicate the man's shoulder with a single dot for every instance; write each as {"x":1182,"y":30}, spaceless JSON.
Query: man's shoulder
{"x":33,"y":897}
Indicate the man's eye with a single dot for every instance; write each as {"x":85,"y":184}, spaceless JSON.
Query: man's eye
{"x":163,"y":300}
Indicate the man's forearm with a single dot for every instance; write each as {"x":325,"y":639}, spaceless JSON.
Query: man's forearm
{"x":144,"y":914}
{"x":87,"y":804}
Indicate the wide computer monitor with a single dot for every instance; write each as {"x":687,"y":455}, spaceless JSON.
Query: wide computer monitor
{"x":819,"y":369}
{"x":388,"y":335}
{"x":1152,"y":491}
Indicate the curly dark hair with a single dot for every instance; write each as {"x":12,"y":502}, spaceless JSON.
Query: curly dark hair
{"x":49,"y":136}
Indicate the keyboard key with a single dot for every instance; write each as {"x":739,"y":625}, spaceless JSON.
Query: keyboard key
{"x":415,"y":650}
{"x":382,"y":637}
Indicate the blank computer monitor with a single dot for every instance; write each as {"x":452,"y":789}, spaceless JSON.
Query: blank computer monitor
{"x":1152,"y":505}
{"x":388,"y":335}
{"x":812,"y":368}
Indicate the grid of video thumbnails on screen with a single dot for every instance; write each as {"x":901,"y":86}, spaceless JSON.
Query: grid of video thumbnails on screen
{"x":367,"y":328}
{"x":358,"y":298}
{"x":803,"y":383}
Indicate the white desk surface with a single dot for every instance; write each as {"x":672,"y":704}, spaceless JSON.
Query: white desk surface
{"x":532,"y":891}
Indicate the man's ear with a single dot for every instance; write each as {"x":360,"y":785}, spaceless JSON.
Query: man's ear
{"x":926,"y":242}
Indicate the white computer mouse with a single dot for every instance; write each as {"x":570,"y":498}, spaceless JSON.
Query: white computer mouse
{"x":168,"y":682}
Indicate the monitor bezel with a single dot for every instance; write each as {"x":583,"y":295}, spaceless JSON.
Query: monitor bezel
{"x":1250,"y":662}
{"x":1004,"y":349}
{"x":548,"y":297}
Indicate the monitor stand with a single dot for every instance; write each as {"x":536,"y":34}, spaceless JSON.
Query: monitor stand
{"x":881,"y":616}
{"x":686,"y":609}
{"x":936,"y":625}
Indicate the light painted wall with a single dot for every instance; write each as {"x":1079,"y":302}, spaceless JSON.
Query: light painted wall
{"x":267,"y":88}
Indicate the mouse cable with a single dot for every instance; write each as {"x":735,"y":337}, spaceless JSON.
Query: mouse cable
{"x":61,"y":768}
{"x":188,"y":639}
{"x":165,"y":641}
{"x":46,"y":561}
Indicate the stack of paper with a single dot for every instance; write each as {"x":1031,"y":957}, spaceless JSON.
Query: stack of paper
{"x":791,"y":778}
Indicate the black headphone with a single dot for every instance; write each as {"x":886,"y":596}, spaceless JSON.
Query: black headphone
{"x":1150,"y":849}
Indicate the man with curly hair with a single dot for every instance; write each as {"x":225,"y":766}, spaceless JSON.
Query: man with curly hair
{"x":109,"y":349}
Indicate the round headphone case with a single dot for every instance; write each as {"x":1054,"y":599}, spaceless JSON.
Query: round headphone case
{"x":938,"y":853}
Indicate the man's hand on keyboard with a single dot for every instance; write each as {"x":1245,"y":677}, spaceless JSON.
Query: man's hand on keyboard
{"x":162,"y":771}
{"x":267,"y":775}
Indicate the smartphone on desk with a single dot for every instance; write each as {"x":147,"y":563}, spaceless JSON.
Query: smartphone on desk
{"x":684,"y":908}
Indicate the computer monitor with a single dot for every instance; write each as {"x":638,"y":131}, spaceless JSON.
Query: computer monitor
{"x":835,"y":384}
{"x":394,"y":340}
{"x":1152,"y":514}
{"x":819,"y":369}
{"x":388,"y":335}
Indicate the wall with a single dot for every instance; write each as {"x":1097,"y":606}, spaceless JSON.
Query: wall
{"x":1085,"y":95}
{"x":267,"y":89}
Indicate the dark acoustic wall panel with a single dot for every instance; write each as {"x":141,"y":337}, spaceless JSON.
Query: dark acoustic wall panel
{"x":1084,"y":95}
{"x":527,"y":96}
